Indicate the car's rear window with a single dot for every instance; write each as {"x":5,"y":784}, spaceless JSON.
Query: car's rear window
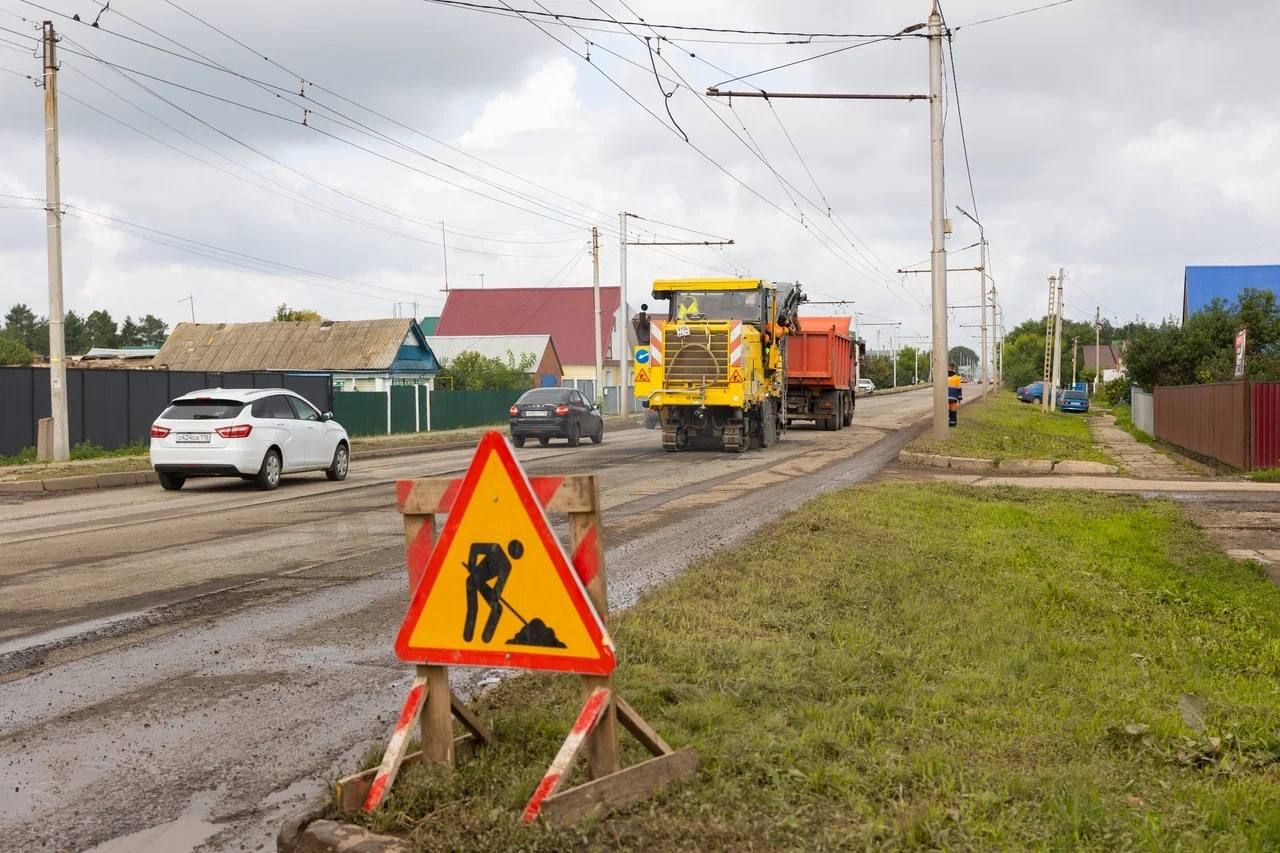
{"x":545,"y":395}
{"x":203,"y":410}
{"x":1074,"y":395}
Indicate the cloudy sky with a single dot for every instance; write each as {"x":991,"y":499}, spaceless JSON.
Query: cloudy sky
{"x":1121,"y":139}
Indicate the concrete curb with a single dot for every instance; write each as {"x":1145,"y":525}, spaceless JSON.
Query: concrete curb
{"x":117,"y":479}
{"x":1009,"y":466}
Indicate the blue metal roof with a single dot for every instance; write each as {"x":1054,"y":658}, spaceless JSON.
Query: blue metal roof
{"x":1202,"y":285}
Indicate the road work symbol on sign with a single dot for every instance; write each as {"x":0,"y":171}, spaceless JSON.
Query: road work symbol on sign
{"x":735,"y":375}
{"x":642,"y":376}
{"x":498,"y":588}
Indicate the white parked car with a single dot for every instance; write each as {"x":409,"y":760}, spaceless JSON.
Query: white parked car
{"x":252,"y":433}
{"x":865,"y":386}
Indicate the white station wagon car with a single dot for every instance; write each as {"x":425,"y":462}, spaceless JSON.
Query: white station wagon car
{"x":255,"y":434}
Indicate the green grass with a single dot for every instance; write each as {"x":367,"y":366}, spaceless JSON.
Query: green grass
{"x":1124,"y":419}
{"x":1000,"y":427}
{"x":83,"y":450}
{"x":1270,"y":475}
{"x":913,"y":667}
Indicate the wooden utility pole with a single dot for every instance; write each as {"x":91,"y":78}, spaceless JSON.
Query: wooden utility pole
{"x":61,"y":444}
{"x":598,"y":395}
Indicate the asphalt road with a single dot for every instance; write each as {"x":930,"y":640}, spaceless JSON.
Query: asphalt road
{"x":180,"y":670}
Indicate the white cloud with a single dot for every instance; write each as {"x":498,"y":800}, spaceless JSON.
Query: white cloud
{"x":546,"y":100}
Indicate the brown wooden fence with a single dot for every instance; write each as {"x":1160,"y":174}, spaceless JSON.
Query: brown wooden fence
{"x":1211,"y":420}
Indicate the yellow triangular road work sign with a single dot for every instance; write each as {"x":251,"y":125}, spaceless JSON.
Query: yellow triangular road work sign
{"x":499,"y":589}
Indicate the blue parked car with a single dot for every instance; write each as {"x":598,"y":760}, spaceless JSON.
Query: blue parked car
{"x":1032,"y":393}
{"x":1073,"y":401}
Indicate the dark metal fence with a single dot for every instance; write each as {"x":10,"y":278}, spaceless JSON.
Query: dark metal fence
{"x":113,"y":408}
{"x":1211,"y":420}
{"x":1264,"y":448}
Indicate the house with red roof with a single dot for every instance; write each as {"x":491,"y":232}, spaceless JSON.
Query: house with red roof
{"x":567,"y":314}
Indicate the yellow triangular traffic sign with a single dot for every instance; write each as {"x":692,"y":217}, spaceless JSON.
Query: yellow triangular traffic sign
{"x":499,"y":589}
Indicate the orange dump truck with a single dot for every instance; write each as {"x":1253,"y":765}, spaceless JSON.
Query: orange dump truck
{"x":822,"y":370}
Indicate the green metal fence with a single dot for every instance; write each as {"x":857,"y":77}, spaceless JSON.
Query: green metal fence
{"x":453,"y":409}
{"x":361,"y":412}
{"x":365,"y":412}
{"x":404,"y":402}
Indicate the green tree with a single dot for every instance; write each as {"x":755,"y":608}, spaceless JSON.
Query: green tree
{"x":285,"y":314}
{"x":152,"y":330}
{"x":879,"y":369}
{"x":473,"y":371}
{"x":911,"y":359}
{"x":101,"y":330}
{"x":75,"y":334}
{"x":22,"y":324}
{"x":129,"y":336}
{"x":13,"y":352}
{"x":959,"y":355}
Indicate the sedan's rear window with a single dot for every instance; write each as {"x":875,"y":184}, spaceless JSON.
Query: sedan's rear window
{"x":1074,"y":395}
{"x":545,"y":395}
{"x":203,"y":410}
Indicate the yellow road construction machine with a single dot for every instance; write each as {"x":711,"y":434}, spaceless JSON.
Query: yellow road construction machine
{"x":715,"y":369}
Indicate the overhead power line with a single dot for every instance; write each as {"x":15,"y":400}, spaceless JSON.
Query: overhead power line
{"x":1013,"y":14}
{"x":560,"y":16}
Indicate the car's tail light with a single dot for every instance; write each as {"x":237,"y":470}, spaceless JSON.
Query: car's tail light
{"x":514,"y":412}
{"x":237,"y":431}
{"x":158,"y":431}
{"x":562,"y":410}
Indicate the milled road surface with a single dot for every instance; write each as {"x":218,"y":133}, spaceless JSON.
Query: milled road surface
{"x":180,"y":670}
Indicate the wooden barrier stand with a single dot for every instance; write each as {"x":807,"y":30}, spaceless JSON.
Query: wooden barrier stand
{"x":433,"y":703}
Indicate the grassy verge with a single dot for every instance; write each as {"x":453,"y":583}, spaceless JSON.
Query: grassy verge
{"x":922,"y":666}
{"x":1271,"y":475}
{"x":82,"y":451}
{"x":1000,"y":427}
{"x":1124,"y":419}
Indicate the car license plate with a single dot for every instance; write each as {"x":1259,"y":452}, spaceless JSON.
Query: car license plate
{"x":193,"y":438}
{"x":535,"y":414}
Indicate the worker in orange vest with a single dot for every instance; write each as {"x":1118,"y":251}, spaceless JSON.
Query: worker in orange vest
{"x":954,"y":395}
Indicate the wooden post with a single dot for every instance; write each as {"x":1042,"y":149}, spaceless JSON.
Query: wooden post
{"x":585,"y":532}
{"x":437,"y":717}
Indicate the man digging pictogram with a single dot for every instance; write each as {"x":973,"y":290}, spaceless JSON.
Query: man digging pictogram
{"x":488,"y":562}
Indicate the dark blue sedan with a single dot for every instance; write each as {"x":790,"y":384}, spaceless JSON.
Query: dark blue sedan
{"x":1031,"y":393}
{"x":1073,"y":401}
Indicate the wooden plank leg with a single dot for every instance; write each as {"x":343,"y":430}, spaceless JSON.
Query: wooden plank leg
{"x":636,"y":783}
{"x":640,"y":730}
{"x":399,"y":742}
{"x":563,"y":763}
{"x":469,"y":720}
{"x":351,"y":791}
{"x":437,"y":719}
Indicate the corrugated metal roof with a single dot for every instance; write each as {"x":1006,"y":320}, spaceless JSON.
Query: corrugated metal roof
{"x":294,"y":345}
{"x":564,"y":313}
{"x":447,"y":347}
{"x":1202,"y":285}
{"x":429,"y":324}
{"x":125,"y":352}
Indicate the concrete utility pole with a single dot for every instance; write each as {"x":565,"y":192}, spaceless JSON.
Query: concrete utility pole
{"x":624,"y":358}
{"x":61,"y":444}
{"x":595,"y":296}
{"x":1097,"y":349}
{"x":1057,"y":341}
{"x":893,"y":348}
{"x":1048,"y":343}
{"x":982,"y":298}
{"x":938,"y":252}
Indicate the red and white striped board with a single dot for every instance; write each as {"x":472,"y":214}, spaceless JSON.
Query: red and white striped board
{"x":735,"y":343}
{"x":655,"y":344}
{"x":399,"y":742}
{"x":592,"y":710}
